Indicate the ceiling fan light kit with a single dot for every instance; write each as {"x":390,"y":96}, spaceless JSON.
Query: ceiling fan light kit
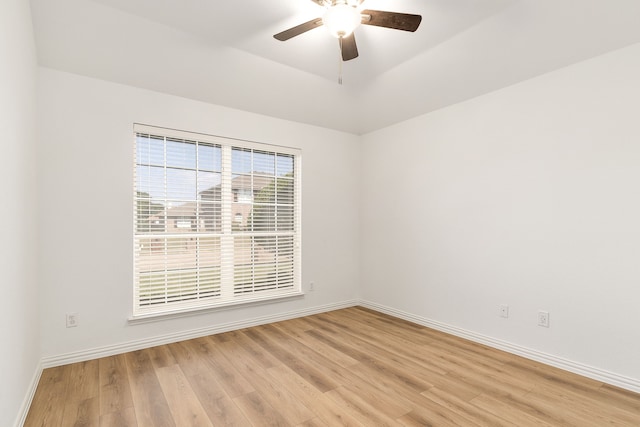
{"x":342,"y":17}
{"x":340,"y":20}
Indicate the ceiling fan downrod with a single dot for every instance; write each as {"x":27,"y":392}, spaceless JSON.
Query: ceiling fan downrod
{"x":340,"y":64}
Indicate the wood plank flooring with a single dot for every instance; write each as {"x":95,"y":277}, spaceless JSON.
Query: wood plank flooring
{"x":351,"y":367}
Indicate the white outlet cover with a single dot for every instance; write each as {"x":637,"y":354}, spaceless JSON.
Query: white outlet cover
{"x":504,"y":311}
{"x":72,"y":320}
{"x":543,"y":318}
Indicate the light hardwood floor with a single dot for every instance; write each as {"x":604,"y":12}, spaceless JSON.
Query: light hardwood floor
{"x":351,"y":367}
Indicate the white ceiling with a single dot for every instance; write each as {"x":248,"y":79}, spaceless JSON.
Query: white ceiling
{"x":223,"y":52}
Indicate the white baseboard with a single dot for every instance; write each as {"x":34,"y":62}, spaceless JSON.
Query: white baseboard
{"x":548,"y":359}
{"x":26,"y":403}
{"x":110,"y":350}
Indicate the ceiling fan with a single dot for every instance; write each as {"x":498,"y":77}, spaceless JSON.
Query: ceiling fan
{"x":341,"y":17}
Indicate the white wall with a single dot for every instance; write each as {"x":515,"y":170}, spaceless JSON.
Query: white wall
{"x":85,"y":214}
{"x":19,"y":351}
{"x":528,"y":196}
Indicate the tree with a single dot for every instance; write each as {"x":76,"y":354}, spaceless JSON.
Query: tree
{"x":272,"y":208}
{"x":145,"y":208}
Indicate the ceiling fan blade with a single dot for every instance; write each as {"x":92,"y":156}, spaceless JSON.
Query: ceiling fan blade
{"x":298,"y":29}
{"x":394,"y":20}
{"x":349,"y":48}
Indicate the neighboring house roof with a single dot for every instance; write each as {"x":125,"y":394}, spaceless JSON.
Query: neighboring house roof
{"x":241,"y":182}
{"x":244,"y":182}
{"x":184,"y":210}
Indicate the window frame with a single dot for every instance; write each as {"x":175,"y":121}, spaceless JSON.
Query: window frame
{"x":228,"y":289}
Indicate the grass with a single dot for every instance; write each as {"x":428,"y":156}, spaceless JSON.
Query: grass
{"x":159,"y":287}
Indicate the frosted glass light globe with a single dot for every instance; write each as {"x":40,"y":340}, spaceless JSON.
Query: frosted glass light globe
{"x":341,"y":20}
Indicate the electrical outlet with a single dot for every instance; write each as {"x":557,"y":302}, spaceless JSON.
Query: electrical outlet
{"x":504,"y":311}
{"x":312,"y":286}
{"x":543,"y":318}
{"x":72,"y":320}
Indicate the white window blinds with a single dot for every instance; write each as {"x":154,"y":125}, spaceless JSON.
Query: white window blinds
{"x":216,"y":221}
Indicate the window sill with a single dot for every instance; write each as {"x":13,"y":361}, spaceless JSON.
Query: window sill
{"x":193,"y":311}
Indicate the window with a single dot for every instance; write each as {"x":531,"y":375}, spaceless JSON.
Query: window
{"x":216,"y":221}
